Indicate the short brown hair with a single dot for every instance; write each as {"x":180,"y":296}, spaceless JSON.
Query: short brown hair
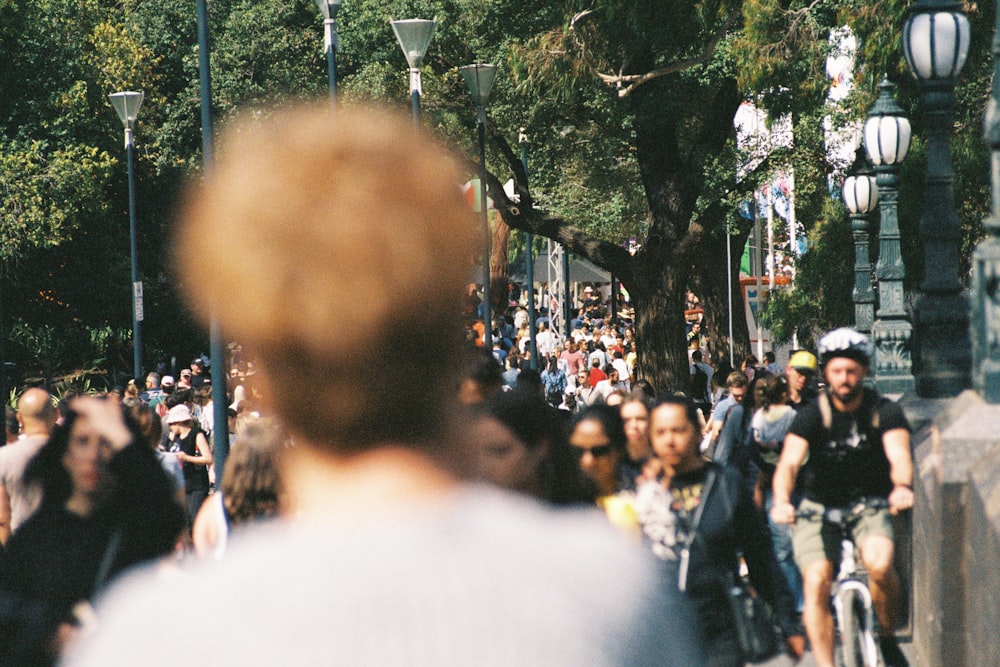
{"x":336,"y":246}
{"x":737,"y":379}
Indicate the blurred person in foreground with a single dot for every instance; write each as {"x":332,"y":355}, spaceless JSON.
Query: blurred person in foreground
{"x":106,"y":505}
{"x":520,"y":444}
{"x":387,"y":556}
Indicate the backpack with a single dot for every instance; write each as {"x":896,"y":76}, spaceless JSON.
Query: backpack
{"x":699,"y":385}
{"x":826,"y":411}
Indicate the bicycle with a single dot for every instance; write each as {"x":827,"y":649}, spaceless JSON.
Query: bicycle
{"x":850,"y":597}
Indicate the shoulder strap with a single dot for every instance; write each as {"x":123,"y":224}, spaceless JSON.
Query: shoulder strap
{"x":825,"y":409}
{"x":693,"y":531}
{"x":876,"y":404}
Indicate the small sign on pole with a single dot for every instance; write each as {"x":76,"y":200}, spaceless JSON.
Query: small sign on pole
{"x":137,"y":296}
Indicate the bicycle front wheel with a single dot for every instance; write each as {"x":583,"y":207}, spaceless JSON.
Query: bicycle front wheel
{"x":857,"y":639}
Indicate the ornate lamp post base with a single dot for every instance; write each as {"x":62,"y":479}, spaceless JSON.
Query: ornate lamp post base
{"x":893,"y":357}
{"x":944,"y":351}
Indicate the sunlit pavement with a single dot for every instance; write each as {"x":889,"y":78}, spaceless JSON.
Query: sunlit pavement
{"x":807,"y":659}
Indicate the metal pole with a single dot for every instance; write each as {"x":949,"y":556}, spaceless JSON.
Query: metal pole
{"x":614,"y":300}
{"x":567,"y":297}
{"x":330,"y":45}
{"x":136,"y":285}
{"x":729,"y":283}
{"x":529,"y":266}
{"x":415,"y":90}
{"x":487,"y":236}
{"x":217,"y":352}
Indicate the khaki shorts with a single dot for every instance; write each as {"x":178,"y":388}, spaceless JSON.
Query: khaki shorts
{"x":812,"y":540}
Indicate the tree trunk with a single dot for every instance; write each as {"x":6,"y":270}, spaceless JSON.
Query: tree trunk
{"x":658,"y":297}
{"x":499,"y":274}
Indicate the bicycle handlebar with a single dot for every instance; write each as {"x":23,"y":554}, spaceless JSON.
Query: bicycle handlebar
{"x":842,"y":515}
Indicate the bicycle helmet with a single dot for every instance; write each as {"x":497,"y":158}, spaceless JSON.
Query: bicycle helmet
{"x":845,"y":342}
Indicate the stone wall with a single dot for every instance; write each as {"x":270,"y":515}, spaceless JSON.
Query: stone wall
{"x":982,"y":555}
{"x":956,"y":543}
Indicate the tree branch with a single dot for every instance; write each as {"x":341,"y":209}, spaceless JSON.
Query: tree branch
{"x":524,"y":216}
{"x":633,"y":81}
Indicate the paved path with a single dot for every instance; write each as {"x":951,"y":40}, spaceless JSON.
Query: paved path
{"x":807,"y":660}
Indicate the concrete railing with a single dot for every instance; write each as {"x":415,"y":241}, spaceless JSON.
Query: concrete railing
{"x":956,"y":531}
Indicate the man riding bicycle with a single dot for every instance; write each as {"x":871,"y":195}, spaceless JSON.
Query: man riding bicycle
{"x":849,"y":445}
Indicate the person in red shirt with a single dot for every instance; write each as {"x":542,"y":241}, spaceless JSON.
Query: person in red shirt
{"x":596,"y":374}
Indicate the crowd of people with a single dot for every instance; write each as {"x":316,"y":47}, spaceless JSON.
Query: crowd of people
{"x":92,"y":485}
{"x":410,"y":497}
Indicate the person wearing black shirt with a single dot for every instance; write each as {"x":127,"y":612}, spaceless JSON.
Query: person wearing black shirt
{"x":730,"y":525}
{"x":106,"y":506}
{"x":849,"y":445}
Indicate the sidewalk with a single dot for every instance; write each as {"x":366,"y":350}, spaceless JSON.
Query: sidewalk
{"x":807,"y":659}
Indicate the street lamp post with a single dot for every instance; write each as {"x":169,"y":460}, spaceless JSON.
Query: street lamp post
{"x":127,"y":105}
{"x":529,"y":263}
{"x":414,"y":36}
{"x":887,"y":141}
{"x":860,"y":194}
{"x":329,"y":8}
{"x":935,"y":44}
{"x":479,"y":79}
{"x":986,"y":260}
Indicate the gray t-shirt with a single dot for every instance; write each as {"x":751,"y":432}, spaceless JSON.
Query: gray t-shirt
{"x":480,"y":578}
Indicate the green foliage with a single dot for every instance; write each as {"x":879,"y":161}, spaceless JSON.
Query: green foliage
{"x":821,"y":298}
{"x":48,"y":192}
{"x":625,"y":119}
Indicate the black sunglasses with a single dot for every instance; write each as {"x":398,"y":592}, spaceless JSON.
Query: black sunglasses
{"x":597,"y":452}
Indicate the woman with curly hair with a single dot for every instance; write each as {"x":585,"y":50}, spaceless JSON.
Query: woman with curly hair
{"x":251,"y":488}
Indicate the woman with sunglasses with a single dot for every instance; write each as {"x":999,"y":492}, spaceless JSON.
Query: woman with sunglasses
{"x":597,"y":438}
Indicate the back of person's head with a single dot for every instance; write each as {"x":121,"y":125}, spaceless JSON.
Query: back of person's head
{"x":528,"y":380}
{"x":179,"y":398}
{"x":526,"y":414}
{"x":480,"y":374}
{"x":251,"y":483}
{"x":722,"y":372}
{"x":36,"y":410}
{"x":696,"y":355}
{"x":769,"y":357}
{"x":754,"y":395}
{"x":355,"y":291}
{"x":643,"y":389}
{"x":773,"y":390}
{"x":146,"y":424}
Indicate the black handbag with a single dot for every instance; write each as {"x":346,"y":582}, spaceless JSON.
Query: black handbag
{"x":752,"y":617}
{"x":753,"y":622}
